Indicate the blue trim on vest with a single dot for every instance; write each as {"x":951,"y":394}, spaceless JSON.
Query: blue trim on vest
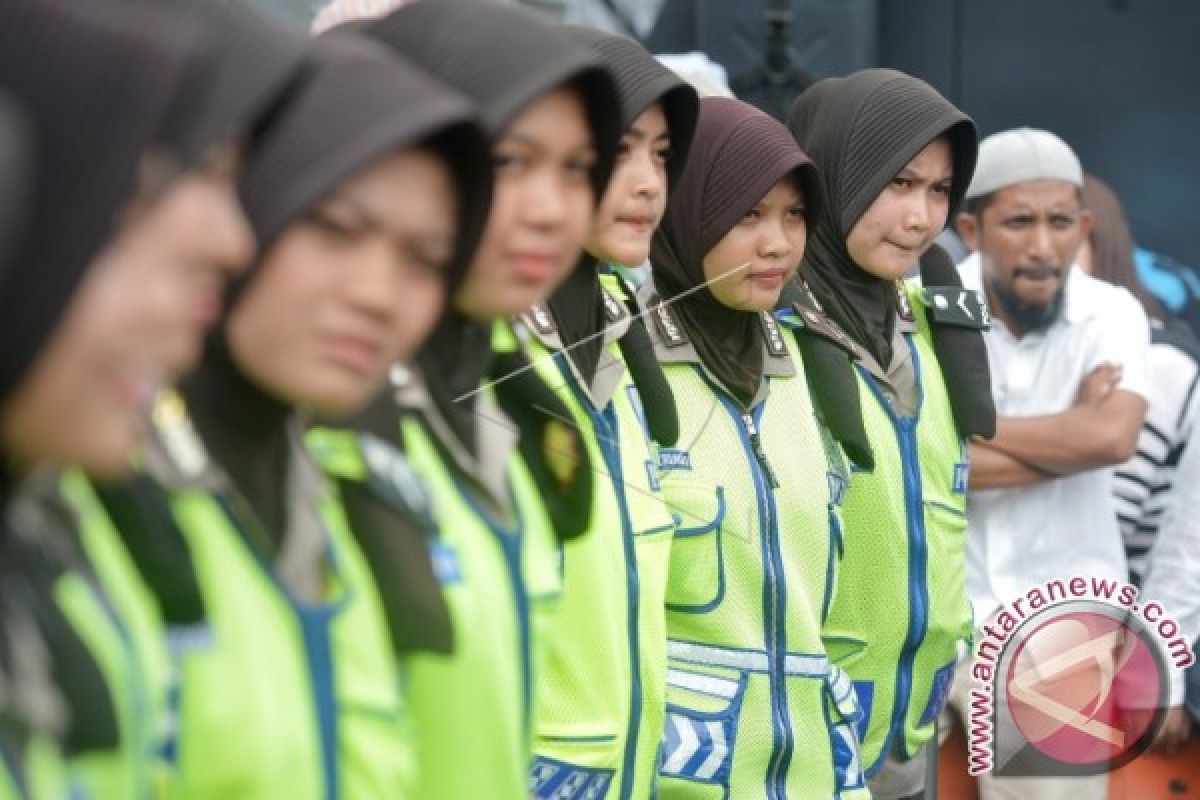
{"x":836,"y":548}
{"x":774,"y":601}
{"x":607,"y":437}
{"x":680,"y":718}
{"x":865,"y":692}
{"x":136,"y":682}
{"x":14,"y":765}
{"x":552,"y":779}
{"x":918,"y":590}
{"x":314,"y":620}
{"x":510,"y":541}
{"x":939,"y":692}
{"x":711,"y":525}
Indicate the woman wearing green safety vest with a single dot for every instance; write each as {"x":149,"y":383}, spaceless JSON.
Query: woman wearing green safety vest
{"x":895,"y":157}
{"x":504,"y":470}
{"x":599,"y":703}
{"x":754,"y":709}
{"x":284,"y":683}
{"x":99,"y":306}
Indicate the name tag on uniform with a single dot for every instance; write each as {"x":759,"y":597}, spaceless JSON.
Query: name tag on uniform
{"x":960,"y":477}
{"x":670,"y":458}
{"x":962,"y":308}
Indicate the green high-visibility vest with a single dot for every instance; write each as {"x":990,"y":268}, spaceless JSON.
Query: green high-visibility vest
{"x":601,"y":697}
{"x":271,"y":696}
{"x":34,"y":763}
{"x":33,"y":769}
{"x":900,"y":618}
{"x":754,"y":706}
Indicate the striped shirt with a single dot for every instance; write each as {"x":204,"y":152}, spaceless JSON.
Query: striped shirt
{"x":1144,"y":486}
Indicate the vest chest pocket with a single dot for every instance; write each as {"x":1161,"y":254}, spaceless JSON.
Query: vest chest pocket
{"x":696,"y":581}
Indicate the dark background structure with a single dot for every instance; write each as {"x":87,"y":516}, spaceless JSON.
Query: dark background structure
{"x":1118,"y":79}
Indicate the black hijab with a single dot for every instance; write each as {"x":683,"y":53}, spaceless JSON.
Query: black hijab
{"x":503,"y":59}
{"x":861,"y":130}
{"x":252,"y":67}
{"x":357,"y":104}
{"x":738,"y":154}
{"x":577,"y":306}
{"x":98,"y":83}
{"x":16,"y":175}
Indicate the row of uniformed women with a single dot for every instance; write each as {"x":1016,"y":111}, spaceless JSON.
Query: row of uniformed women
{"x":435,"y":509}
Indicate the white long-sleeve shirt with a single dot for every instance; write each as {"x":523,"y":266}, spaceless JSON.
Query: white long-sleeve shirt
{"x":1019,"y":538}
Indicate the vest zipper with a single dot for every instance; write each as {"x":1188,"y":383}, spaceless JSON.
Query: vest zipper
{"x":918,"y":589}
{"x":759,"y":454}
{"x":315,"y":620}
{"x":774,"y":605}
{"x":607,"y":421}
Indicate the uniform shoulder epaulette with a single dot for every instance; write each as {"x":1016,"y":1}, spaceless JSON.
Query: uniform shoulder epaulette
{"x":668,"y":326}
{"x":539,"y":318}
{"x":814,"y":322}
{"x":903,"y":306}
{"x":956,"y":306}
{"x":774,"y":337}
{"x":614,"y":309}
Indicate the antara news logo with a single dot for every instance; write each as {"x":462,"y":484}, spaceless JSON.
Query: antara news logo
{"x":1072,"y":678}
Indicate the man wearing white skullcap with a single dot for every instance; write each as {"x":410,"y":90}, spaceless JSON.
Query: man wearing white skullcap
{"x":1067,"y":355}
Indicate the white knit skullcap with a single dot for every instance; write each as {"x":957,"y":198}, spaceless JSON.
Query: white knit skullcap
{"x":1021,"y":155}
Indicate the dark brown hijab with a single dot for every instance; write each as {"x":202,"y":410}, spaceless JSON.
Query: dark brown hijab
{"x":738,"y":153}
{"x":861,"y":130}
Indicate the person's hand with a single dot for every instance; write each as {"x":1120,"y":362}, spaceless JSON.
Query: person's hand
{"x":1176,"y":730}
{"x":1098,"y":384}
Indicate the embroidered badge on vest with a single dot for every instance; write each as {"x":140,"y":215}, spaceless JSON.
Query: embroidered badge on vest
{"x":954,"y":305}
{"x":775,"y":345}
{"x":539,"y":318}
{"x":560,"y":445}
{"x":614,"y":310}
{"x":903,"y":307}
{"x":671,"y":331}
